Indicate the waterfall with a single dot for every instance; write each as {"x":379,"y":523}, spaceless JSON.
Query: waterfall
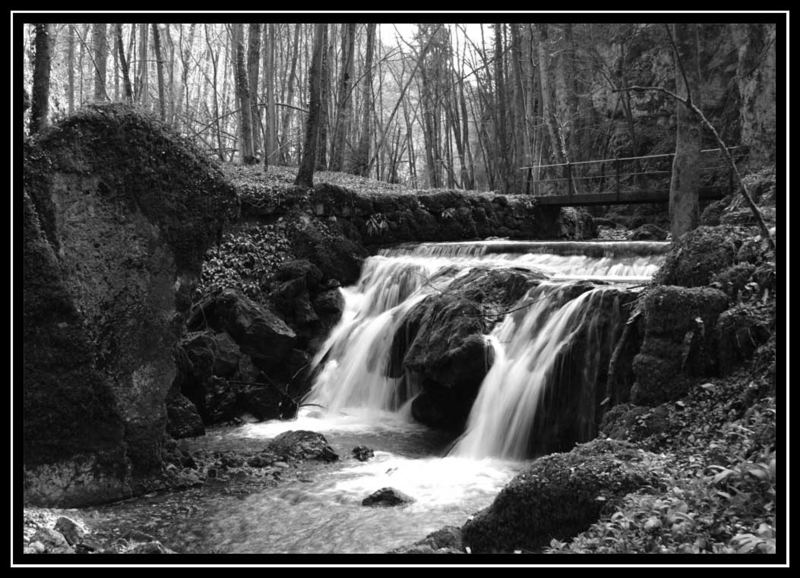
{"x":549,"y":351}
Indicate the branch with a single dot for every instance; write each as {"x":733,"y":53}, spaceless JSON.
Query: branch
{"x":753,"y":207}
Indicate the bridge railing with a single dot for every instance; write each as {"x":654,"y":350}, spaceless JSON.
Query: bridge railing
{"x":626,"y":174}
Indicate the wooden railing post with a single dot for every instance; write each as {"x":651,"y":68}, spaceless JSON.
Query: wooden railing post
{"x":569,"y":179}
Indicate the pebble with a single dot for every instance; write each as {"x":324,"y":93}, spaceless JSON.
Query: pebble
{"x":281,"y":465}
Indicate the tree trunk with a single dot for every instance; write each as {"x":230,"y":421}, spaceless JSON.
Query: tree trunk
{"x":270,"y":136}
{"x":344,"y":104}
{"x":287,"y":114}
{"x":123,"y":62}
{"x":305,"y":173}
{"x":547,"y":103}
{"x":40,"y":98}
{"x":100,"y":46}
{"x":322,"y":136}
{"x":142,"y":81}
{"x":684,"y":192}
{"x":500,"y":104}
{"x":71,"y":69}
{"x":253,"y":49}
{"x":242,"y":97}
{"x":361,"y":156}
{"x":162,"y":109}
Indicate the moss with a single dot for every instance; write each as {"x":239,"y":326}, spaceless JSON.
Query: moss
{"x":558,"y":496}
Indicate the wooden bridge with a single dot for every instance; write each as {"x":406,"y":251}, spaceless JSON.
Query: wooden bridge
{"x":624,"y":181}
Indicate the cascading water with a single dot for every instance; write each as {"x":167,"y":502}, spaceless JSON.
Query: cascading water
{"x":544,"y":382}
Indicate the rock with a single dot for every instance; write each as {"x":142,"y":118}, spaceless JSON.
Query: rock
{"x":387,"y":497}
{"x":183,"y":419}
{"x":124,"y":211}
{"x":362,"y":453}
{"x":441,"y":343}
{"x":447,"y":540}
{"x":52,"y":541}
{"x":678,"y":341}
{"x":733,"y":279}
{"x":226,"y":356}
{"x":699,"y":255}
{"x":134,"y":535}
{"x":154,"y":547}
{"x":300,"y":269}
{"x":263,"y":402}
{"x":648,"y":232}
{"x":336,"y":256}
{"x":259,"y":333}
{"x":713,"y":212}
{"x":220,"y":402}
{"x":559,"y":496}
{"x":35,"y":548}
{"x":70,"y":529}
{"x":303,"y":445}
{"x":740,"y":331}
{"x":634,"y":422}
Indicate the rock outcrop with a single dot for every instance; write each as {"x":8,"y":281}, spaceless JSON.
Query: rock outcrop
{"x":118,"y":213}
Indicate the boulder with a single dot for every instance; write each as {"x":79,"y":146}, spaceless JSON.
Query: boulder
{"x":441,"y":343}
{"x":740,"y":331}
{"x":53,"y":542}
{"x":70,"y":529}
{"x":303,"y":445}
{"x":700,"y":254}
{"x":678,"y":341}
{"x":559,"y":496}
{"x":183,"y":419}
{"x":154,"y":547}
{"x":362,"y":453}
{"x":447,"y":540}
{"x":260,"y":334}
{"x":648,"y":232}
{"x":263,"y":402}
{"x":387,"y":497}
{"x":119,"y":212}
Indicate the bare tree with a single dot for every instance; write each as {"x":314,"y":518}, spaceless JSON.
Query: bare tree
{"x":160,"y":72}
{"x":305,"y":173}
{"x":40,"y":98}
{"x":360,"y":164}
{"x":70,"y":68}
{"x":253,"y":49}
{"x":100,"y":45}
{"x":344,"y":104}
{"x":123,"y":62}
{"x":242,"y":96}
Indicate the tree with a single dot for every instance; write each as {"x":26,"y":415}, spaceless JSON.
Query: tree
{"x":160,"y":72}
{"x":305,"y":173}
{"x":141,"y":87}
{"x":40,"y":98}
{"x":70,"y":68}
{"x":100,"y":45}
{"x":253,"y":49}
{"x":344,"y":103}
{"x":360,"y":164}
{"x":123,"y":62}
{"x":242,"y":96}
{"x":684,"y":191}
{"x":271,"y":123}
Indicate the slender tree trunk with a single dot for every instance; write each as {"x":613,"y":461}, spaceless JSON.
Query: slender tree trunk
{"x":71,"y":68}
{"x":160,"y":72}
{"x":684,"y":192}
{"x":322,"y":135}
{"x":142,"y":82}
{"x":253,"y":49}
{"x":344,"y":105}
{"x":287,"y":114}
{"x":521,"y":154}
{"x":361,"y":157}
{"x":270,"y":136}
{"x":500,"y":103}
{"x":40,"y":98}
{"x":217,"y":120}
{"x":100,"y":46}
{"x":116,"y":71}
{"x":123,"y":62}
{"x":305,"y":173}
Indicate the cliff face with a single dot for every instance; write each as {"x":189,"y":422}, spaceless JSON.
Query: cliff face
{"x":118,"y":214}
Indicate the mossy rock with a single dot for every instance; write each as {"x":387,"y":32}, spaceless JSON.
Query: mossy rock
{"x":559,"y":496}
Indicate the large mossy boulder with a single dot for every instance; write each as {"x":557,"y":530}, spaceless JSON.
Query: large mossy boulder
{"x":118,"y":213}
{"x":701,"y":254}
{"x":679,"y":341}
{"x":442,"y":342}
{"x":559,"y":496}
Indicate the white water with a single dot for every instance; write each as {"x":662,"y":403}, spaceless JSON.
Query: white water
{"x":354,"y":360}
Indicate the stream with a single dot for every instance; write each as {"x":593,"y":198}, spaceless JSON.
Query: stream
{"x":316,"y":508}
